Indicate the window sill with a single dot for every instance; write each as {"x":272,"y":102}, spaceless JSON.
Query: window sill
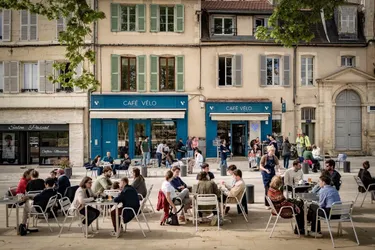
{"x":275,"y":86}
{"x":228,"y":87}
{"x":308,"y":86}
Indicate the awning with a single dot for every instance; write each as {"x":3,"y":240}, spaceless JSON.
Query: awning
{"x":138,"y":115}
{"x":239,"y":116}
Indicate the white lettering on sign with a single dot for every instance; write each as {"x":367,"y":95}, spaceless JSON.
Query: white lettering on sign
{"x":30,"y":127}
{"x":239,"y":108}
{"x":136,"y":103}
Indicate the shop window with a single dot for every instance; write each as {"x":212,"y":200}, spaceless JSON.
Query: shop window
{"x":128,"y":18}
{"x":307,"y":71}
{"x":53,"y":146}
{"x":348,"y":61}
{"x":9,"y":148}
{"x":223,"y":130}
{"x":308,"y":114}
{"x":276,"y":125}
{"x":128,"y":74}
{"x":225,"y":70}
{"x":163,"y":130}
{"x":224,"y":26}
{"x":167,"y":74}
{"x":54,"y":139}
{"x":123,"y":139}
{"x":30,"y":77}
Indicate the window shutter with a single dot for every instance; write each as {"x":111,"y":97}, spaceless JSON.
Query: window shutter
{"x":24,"y":15}
{"x":14,"y":74}
{"x":42,"y":76}
{"x":263,"y":70}
{"x":115,"y":71}
{"x":115,"y":17}
{"x":287,"y":70}
{"x":60,"y":26}
{"x":50,"y":87}
{"x":78,"y":74}
{"x":179,"y":18}
{"x":141,"y":17}
{"x":141,"y":73}
{"x":217,"y":70}
{"x":237,"y":71}
{"x":7,"y":22}
{"x":154,"y":80}
{"x":6,"y":88}
{"x":154,"y":18}
{"x":33,"y":27}
{"x":180,"y":75}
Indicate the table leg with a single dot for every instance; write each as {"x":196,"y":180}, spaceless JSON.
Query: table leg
{"x":17,"y":219}
{"x":305,"y":216}
{"x":117,"y":222}
{"x":222,"y":205}
{"x":86,"y":221}
{"x":6,"y":216}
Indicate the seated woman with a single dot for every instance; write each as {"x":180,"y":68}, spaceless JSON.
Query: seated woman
{"x":366,"y":178}
{"x":96,"y":165}
{"x":176,"y":182}
{"x":206,"y":186}
{"x":139,"y":183}
{"x":277,"y":197}
{"x":22,"y":184}
{"x":35,"y":184}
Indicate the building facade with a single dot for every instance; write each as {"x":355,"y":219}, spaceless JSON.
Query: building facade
{"x":40,"y":122}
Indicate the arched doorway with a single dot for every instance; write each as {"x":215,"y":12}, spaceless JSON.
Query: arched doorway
{"x":348,"y":121}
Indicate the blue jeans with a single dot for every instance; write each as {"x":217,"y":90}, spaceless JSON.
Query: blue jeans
{"x":286,"y":161}
{"x":99,"y":170}
{"x":114,"y":168}
{"x":190,"y":153}
{"x":223,"y":163}
{"x":159,"y":156}
{"x":146,"y":158}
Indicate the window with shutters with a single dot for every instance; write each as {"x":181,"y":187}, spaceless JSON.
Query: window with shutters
{"x":307,"y":70}
{"x":167,"y":74}
{"x":308,"y":114}
{"x":61,"y":23}
{"x":30,"y":77}
{"x":225,"y":71}
{"x":273,"y":70}
{"x":347,"y":22}
{"x":29,"y":26}
{"x":1,"y":77}
{"x":128,"y":18}
{"x":167,"y":18}
{"x":348,"y":61}
{"x":128,"y":74}
{"x":60,"y":87}
{"x":224,"y":26}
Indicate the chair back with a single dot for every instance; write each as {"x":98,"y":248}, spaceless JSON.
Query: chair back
{"x":359,"y":182}
{"x":273,"y":209}
{"x":70,"y":192}
{"x":243,"y":194}
{"x":142,"y":205}
{"x":13,"y":191}
{"x":206,"y":199}
{"x":113,"y":193}
{"x":65,"y":205}
{"x":341,"y":208}
{"x":149,"y":192}
{"x":117,"y":162}
{"x":51,"y":202}
{"x":33,"y":193}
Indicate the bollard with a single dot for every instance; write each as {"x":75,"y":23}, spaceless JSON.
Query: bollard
{"x":346,"y":166}
{"x":223,"y":170}
{"x":305,"y":168}
{"x":144,"y":171}
{"x":183,"y":168}
{"x":250,"y":193}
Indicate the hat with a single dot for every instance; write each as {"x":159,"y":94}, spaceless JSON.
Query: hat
{"x":60,"y":171}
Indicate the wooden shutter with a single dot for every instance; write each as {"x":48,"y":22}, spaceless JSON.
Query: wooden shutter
{"x":33,"y":27}
{"x":154,"y":79}
{"x":263,"y":70}
{"x":115,"y":17}
{"x":180,"y":76}
{"x":42,"y":76}
{"x":141,"y":73}
{"x":78,"y":74}
{"x":154,"y":27}
{"x":141,"y":17}
{"x":287,"y":70}
{"x":60,"y":26}
{"x":14,"y":75}
{"x":237,"y":74}
{"x":115,"y":73}
{"x":7,"y":25}
{"x":24,"y":15}
{"x":217,"y":70}
{"x":50,"y":87}
{"x":6,"y":68}
{"x":179,"y":18}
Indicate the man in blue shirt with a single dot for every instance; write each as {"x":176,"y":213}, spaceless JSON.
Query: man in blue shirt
{"x":223,"y":154}
{"x":327,"y":196}
{"x":109,"y":159}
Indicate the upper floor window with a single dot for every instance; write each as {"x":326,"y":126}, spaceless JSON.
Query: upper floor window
{"x":308,"y":114}
{"x":128,"y":74}
{"x":348,"y":61}
{"x":225,"y":70}
{"x":128,"y":17}
{"x":167,"y":74}
{"x":347,"y":18}
{"x":30,"y":77}
{"x":166,"y":18}
{"x":29,"y":25}
{"x":260,"y":21}
{"x":274,"y":70}
{"x":224,"y":26}
{"x":307,"y":71}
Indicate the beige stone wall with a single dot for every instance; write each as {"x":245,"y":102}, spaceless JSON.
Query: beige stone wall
{"x":245,"y":25}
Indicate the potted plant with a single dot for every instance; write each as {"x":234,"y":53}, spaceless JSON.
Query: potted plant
{"x":66,"y":165}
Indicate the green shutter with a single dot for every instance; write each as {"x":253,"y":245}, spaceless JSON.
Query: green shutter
{"x":263,"y":70}
{"x":115,"y":73}
{"x":179,"y":18}
{"x":141,"y":73}
{"x":154,"y":18}
{"x":141,"y":17}
{"x":154,"y":80}
{"x":115,"y":17}
{"x":180,"y":68}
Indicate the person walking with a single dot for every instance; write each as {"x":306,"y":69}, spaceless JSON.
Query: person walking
{"x":286,"y":146}
{"x":189,"y":149}
{"x":268,"y":163}
{"x":223,"y":154}
{"x":300,"y":145}
{"x":159,"y":152}
{"x":145,"y":148}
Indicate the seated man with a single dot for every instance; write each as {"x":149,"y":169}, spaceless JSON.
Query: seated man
{"x":366,"y":179}
{"x":236,"y":191}
{"x":293,"y":176}
{"x":109,"y":158}
{"x":103,"y":182}
{"x":40,"y":199}
{"x":35,"y":184}
{"x":335,"y":176}
{"x":206,"y":168}
{"x":176,"y":182}
{"x":63,"y":181}
{"x":327,"y":196}
{"x":125,"y":164}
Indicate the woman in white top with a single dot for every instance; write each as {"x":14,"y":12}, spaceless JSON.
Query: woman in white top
{"x":171,"y":196}
{"x":198,"y":159}
{"x":83,"y":195}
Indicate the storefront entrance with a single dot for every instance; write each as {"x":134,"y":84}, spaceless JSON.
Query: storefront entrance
{"x":239,"y":139}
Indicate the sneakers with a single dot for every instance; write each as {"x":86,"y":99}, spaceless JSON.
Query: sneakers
{"x":313,"y":234}
{"x":268,"y":208}
{"x":227,"y":210}
{"x":214,"y":221}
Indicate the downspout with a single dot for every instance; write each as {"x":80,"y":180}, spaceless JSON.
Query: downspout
{"x":295,"y":89}
{"x":200,"y":47}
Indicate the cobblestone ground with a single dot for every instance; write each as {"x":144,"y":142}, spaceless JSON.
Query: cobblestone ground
{"x":236,"y":234}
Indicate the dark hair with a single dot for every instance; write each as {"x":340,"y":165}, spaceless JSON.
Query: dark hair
{"x":232,"y":167}
{"x":326,"y":179}
{"x":331,"y":163}
{"x":27,"y":172}
{"x":85,"y":179}
{"x":268,"y":135}
{"x":272,"y":136}
{"x":168,"y":175}
{"x":136,"y":172}
{"x":125,"y":179}
{"x":53,"y":171}
{"x":115,"y":185}
{"x":174,"y":168}
{"x":164,"y":142}
{"x":50,"y":182}
{"x":366,"y":164}
{"x":205,"y":165}
{"x":197,"y":150}
{"x":202,"y":176}
{"x":237,"y":172}
{"x":34,"y":174}
{"x":107,"y":169}
{"x":296,"y":162}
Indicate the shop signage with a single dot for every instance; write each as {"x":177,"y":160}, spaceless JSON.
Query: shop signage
{"x":53,"y":151}
{"x":34,"y":127}
{"x":137,"y":103}
{"x":239,"y":108}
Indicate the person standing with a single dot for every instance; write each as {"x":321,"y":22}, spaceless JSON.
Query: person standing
{"x":268,"y":163}
{"x":159,"y":152}
{"x":300,"y":145}
{"x":145,"y":148}
{"x":180,"y":149}
{"x":273,"y":143}
{"x":306,"y":140}
{"x":189,"y":149}
{"x":223,"y":154}
{"x":286,"y":152}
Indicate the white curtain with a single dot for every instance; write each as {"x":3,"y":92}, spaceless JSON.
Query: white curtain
{"x":30,"y":76}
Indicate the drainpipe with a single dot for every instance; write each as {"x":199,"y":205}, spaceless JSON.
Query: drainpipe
{"x":200,"y":47}
{"x":295,"y":88}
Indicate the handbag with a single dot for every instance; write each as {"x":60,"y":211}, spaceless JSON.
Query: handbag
{"x":172,"y":219}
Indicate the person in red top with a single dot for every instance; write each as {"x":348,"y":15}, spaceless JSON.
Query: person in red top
{"x":21,"y":188}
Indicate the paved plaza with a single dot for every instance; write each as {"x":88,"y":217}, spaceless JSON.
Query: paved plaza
{"x":236,"y":234}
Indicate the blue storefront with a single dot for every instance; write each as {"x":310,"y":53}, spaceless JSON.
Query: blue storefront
{"x":238,"y":122}
{"x":120,"y":122}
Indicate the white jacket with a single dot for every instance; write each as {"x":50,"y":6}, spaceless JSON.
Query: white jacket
{"x":316,"y":152}
{"x":198,"y":161}
{"x":80,"y":198}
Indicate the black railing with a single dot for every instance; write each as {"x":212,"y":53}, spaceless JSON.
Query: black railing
{"x":64,"y":89}
{"x":29,"y":90}
{"x":224,"y":32}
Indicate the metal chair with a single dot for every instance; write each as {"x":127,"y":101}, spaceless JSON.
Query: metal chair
{"x":12,"y":191}
{"x":33,"y":193}
{"x":68,"y":212}
{"x":367,"y":190}
{"x":36,"y":210}
{"x":239,"y":203}
{"x":342,"y":209}
{"x":276,"y":214}
{"x":93,"y":172}
{"x":136,"y":216}
{"x":206,"y":200}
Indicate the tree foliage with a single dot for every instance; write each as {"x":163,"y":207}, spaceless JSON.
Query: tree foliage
{"x":79,"y":21}
{"x":292,"y":20}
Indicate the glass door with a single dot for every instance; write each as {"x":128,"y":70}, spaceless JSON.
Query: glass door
{"x":139,"y":135}
{"x":33,"y":139}
{"x":239,"y":139}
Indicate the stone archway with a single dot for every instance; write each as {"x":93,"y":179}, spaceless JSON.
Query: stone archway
{"x":348,"y":121}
